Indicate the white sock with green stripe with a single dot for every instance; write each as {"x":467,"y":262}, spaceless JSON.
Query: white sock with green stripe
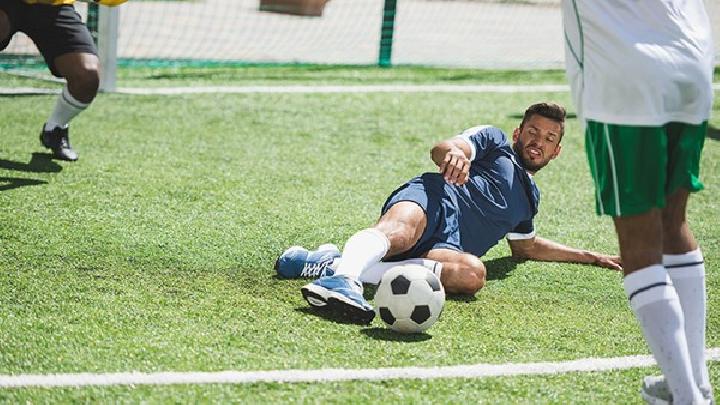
{"x":657,"y":307}
{"x":66,"y":108}
{"x":687,"y":272}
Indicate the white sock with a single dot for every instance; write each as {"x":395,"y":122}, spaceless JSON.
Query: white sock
{"x":374,"y":272}
{"x":361,"y":251}
{"x":66,"y":108}
{"x":657,"y":307}
{"x":687,"y":272}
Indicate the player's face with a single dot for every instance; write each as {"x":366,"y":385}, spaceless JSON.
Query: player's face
{"x":537,"y":142}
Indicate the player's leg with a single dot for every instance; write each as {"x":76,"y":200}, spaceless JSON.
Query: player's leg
{"x":685,"y":265}
{"x":629,"y":166}
{"x":397,"y":231}
{"x":69,"y":51}
{"x":682,"y":257}
{"x":462,"y":273}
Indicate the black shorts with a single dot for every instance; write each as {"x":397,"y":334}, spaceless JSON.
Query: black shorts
{"x":56,"y":30}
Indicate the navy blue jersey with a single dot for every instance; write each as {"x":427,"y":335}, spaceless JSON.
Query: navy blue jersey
{"x":499,"y":199}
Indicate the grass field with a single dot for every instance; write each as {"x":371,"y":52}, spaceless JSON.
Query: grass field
{"x":154,"y":252}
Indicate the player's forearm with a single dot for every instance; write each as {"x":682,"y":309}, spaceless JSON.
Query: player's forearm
{"x":546,"y":250}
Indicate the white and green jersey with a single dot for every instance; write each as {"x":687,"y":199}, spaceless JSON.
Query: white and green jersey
{"x":639,"y":62}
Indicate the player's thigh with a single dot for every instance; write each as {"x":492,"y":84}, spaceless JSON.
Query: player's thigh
{"x":461,"y":272}
{"x":685,"y":145}
{"x":78,"y":66}
{"x":403,"y":223}
{"x":58,"y":31}
{"x":629,"y":167}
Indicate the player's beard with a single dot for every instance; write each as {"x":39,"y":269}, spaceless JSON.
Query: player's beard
{"x":519,"y":147}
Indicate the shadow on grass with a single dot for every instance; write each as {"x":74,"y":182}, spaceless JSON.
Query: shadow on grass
{"x":713,"y":133}
{"x":327,"y":315}
{"x":9,"y":183}
{"x":499,"y":268}
{"x":39,"y":163}
{"x":390,"y":336}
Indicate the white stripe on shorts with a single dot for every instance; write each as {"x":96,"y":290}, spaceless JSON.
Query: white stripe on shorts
{"x":614,"y":172}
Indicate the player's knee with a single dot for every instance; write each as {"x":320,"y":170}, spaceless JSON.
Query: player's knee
{"x":475,"y":274}
{"x":401,"y":239}
{"x":84,"y":80}
{"x":401,"y":234}
{"x":469,"y":276}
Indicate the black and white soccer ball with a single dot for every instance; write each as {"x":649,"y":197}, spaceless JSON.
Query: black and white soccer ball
{"x":409,"y":298}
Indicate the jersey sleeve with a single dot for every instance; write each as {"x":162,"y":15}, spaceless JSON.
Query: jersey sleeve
{"x":524,"y":230}
{"x":482,"y":139}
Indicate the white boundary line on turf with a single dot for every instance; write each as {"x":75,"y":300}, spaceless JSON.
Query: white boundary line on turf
{"x":328,"y":375}
{"x":303,"y":89}
{"x":377,"y":88}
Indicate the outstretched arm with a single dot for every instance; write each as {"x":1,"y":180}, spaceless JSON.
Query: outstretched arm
{"x":546,"y":250}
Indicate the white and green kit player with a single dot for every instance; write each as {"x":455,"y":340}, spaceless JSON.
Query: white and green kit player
{"x":641,"y":77}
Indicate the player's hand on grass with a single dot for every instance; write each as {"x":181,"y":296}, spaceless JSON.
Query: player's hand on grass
{"x":608,"y":262}
{"x":455,"y":168}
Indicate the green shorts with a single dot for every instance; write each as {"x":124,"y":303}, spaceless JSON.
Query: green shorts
{"x":635,"y":168}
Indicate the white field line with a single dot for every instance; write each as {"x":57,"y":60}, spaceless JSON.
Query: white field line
{"x":327,"y":375}
{"x":394,"y":88}
{"x":303,"y":89}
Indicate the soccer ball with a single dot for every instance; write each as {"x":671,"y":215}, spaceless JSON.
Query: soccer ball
{"x":409,"y":298}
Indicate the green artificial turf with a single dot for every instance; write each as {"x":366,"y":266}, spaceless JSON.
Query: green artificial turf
{"x":154,"y":252}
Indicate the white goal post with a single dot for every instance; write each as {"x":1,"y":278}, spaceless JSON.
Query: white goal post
{"x":108,"y":18}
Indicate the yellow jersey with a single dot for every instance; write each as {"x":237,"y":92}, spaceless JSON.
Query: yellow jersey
{"x":109,"y":3}
{"x":50,"y":2}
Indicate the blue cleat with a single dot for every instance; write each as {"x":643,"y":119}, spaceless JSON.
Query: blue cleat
{"x":341,"y":295}
{"x":298,"y":262}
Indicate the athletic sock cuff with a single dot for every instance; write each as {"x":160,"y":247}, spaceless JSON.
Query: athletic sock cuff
{"x":648,"y":285}
{"x":686,"y":265}
{"x":381,"y":237}
{"x":72,"y":100}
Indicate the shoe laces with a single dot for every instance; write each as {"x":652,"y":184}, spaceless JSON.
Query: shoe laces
{"x":315,"y":269}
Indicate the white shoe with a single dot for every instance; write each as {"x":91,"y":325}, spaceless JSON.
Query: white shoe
{"x":655,"y":391}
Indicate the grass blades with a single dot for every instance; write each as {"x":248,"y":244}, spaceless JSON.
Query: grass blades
{"x":154,"y":252}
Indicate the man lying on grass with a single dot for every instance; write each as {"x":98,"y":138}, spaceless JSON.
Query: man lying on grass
{"x":446,"y":221}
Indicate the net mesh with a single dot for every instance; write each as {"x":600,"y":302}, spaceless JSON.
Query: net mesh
{"x":461,"y":33}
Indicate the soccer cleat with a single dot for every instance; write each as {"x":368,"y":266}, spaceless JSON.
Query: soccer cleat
{"x":341,"y":295}
{"x":298,"y":262}
{"x":58,"y":140}
{"x":655,"y":391}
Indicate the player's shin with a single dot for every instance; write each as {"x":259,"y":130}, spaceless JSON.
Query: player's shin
{"x":687,"y":272}
{"x":66,"y":108}
{"x":657,"y":308}
{"x":361,"y":251}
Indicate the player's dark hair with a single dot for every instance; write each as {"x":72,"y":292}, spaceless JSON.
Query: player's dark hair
{"x":550,"y":111}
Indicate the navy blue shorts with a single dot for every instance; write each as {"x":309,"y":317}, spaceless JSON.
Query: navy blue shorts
{"x":443,"y":228}
{"x":56,"y":30}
